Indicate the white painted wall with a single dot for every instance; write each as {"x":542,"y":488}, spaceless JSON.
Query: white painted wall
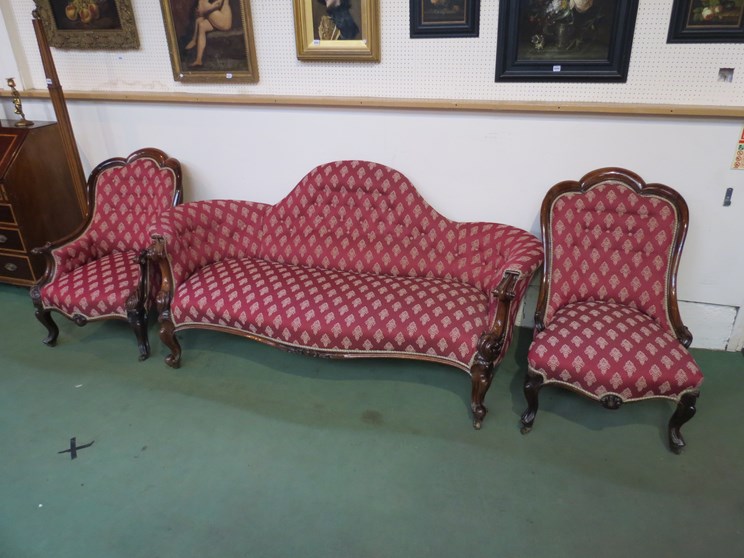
{"x":479,"y":166}
{"x":469,"y":166}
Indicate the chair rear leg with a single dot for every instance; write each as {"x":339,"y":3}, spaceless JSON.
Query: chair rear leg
{"x":532,"y":384}
{"x":684,"y":412}
{"x":137,"y":313}
{"x":138,"y":321}
{"x":45,"y":317}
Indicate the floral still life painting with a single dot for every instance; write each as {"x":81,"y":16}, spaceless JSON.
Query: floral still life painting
{"x":707,"y":21}
{"x":565,"y":39}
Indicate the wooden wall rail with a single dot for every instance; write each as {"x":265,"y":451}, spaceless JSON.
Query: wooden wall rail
{"x":709,"y":111}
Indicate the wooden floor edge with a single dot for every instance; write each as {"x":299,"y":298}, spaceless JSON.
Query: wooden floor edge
{"x":709,"y":111}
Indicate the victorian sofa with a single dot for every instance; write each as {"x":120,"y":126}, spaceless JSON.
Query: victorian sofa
{"x":352,"y":263}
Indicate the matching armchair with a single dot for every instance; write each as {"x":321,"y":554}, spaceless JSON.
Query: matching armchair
{"x":101,"y":271}
{"x":607,"y":324}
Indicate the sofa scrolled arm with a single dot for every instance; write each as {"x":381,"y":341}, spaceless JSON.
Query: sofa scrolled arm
{"x":193,"y":235}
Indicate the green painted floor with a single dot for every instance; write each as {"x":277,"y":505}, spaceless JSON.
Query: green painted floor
{"x":251,"y":451}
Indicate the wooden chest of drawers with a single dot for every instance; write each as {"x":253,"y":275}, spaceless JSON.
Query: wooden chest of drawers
{"x":38,"y":201}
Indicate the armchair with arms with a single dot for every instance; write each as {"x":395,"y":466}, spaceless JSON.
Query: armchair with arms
{"x":100,"y":272}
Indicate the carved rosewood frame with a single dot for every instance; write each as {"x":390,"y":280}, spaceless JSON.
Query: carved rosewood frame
{"x":637,"y":184}
{"x":489,"y":349}
{"x":533,"y":381}
{"x":138,"y":302}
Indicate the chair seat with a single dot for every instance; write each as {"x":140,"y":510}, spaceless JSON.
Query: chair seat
{"x":336,"y":310}
{"x":601,"y":348}
{"x":97,"y":289}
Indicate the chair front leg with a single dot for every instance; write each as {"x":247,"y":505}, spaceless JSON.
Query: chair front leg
{"x":45,"y":317}
{"x":481,"y":372}
{"x":684,"y":412}
{"x":42,"y":314}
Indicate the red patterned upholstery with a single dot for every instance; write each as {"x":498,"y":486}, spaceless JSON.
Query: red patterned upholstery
{"x":336,"y":310}
{"x":97,"y":289}
{"x":352,"y":262}
{"x":607,"y":323}
{"x":128,"y":198}
{"x":601,"y":348}
{"x":365,"y":217}
{"x":612,"y":244}
{"x":94,"y":274}
{"x":199,"y":233}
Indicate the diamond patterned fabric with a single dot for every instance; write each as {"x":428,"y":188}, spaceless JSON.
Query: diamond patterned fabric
{"x":128,"y":198}
{"x":366,"y":217}
{"x":336,"y":310}
{"x":204,"y":232}
{"x":602,"y":348}
{"x":611,"y":244}
{"x":358,"y":228}
{"x":96,"y":273}
{"x":96,"y":289}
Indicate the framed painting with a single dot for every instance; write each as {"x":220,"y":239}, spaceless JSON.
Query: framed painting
{"x":707,"y":21}
{"x":210,"y":40}
{"x":89,"y":24}
{"x":444,"y":18}
{"x":565,"y":40}
{"x":337,"y":30}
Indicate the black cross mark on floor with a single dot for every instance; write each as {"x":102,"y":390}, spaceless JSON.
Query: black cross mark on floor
{"x":73,"y":448}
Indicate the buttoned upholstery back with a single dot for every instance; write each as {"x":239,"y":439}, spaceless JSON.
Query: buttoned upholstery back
{"x":611,"y":243}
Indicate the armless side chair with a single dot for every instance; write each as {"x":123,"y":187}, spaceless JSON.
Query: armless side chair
{"x":607,"y":323}
{"x":100,"y":271}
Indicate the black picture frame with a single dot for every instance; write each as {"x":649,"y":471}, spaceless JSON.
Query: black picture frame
{"x":690,"y":23}
{"x":593,"y":42}
{"x":448,"y":18}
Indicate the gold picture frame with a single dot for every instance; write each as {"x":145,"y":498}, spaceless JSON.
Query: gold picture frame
{"x":345,"y":30}
{"x":89,"y":24}
{"x":213,"y":44}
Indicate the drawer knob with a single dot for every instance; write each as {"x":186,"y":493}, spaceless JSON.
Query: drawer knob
{"x":3,"y":239}
{"x":11,"y":267}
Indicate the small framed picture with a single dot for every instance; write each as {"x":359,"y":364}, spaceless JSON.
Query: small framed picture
{"x":565,"y":40}
{"x":707,"y":21}
{"x":89,"y":24}
{"x":347,"y":30}
{"x":210,"y":40}
{"x":444,"y":18}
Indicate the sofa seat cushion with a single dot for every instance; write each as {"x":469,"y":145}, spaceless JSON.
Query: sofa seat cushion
{"x":601,"y":348}
{"x":97,"y":289}
{"x":338,"y":311}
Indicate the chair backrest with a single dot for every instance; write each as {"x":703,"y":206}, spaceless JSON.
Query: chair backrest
{"x":611,"y":237}
{"x":127,"y":194}
{"x":360,"y":216}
